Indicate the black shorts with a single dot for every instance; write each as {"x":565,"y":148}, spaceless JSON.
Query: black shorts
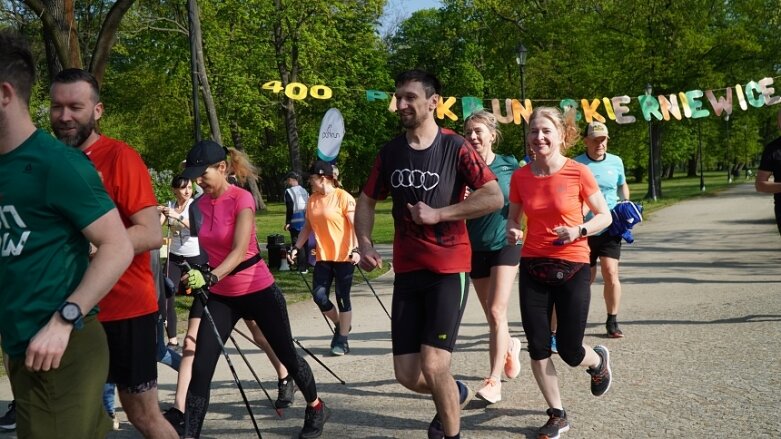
{"x":132,"y":345}
{"x":483,"y":261}
{"x":427,"y":309}
{"x":604,"y":245}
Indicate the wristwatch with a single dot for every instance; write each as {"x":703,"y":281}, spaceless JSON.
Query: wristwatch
{"x":71,"y":313}
{"x":583,"y":231}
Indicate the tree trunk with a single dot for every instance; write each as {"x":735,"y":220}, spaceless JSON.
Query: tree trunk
{"x":252,"y":184}
{"x":208,"y":100}
{"x":106,"y":38}
{"x":691,"y":166}
{"x":288,"y":75}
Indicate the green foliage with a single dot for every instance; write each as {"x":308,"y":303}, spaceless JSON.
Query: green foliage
{"x":161,"y":181}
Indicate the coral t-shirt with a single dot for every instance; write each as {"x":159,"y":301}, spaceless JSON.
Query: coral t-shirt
{"x":327,"y":216}
{"x":127,"y":182}
{"x":551,"y":201}
{"x":216,"y":232}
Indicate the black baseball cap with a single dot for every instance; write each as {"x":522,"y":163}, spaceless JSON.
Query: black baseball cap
{"x":293,"y":174}
{"x":204,"y":154}
{"x":322,"y":168}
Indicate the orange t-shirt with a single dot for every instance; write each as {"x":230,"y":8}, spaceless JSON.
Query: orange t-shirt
{"x":327,"y":217}
{"x":127,"y":182}
{"x":549,"y":202}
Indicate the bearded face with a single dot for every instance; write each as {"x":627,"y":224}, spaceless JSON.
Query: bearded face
{"x":74,"y":112}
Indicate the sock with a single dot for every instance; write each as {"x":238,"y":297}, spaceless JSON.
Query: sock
{"x":457,"y":436}
{"x":319,"y":405}
{"x":611,"y":318}
{"x":285,"y":379}
{"x":559,"y":413}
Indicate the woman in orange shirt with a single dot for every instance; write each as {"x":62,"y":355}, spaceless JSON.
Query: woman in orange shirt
{"x":554,"y":267}
{"x":330,"y":214}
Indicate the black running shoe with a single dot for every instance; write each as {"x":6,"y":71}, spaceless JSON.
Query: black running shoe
{"x":314,"y":420}
{"x":557,"y":424}
{"x":176,"y":418}
{"x":8,"y":421}
{"x":601,"y":377}
{"x":612,"y":330}
{"x":285,"y":388}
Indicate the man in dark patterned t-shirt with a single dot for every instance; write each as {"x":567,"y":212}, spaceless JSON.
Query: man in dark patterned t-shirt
{"x":770,"y":165}
{"x":426,"y":171}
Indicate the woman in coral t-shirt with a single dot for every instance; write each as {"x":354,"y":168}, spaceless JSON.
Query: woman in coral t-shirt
{"x":554,"y":269}
{"x":240,"y":284}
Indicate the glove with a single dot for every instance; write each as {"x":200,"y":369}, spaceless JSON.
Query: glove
{"x":196,"y":279}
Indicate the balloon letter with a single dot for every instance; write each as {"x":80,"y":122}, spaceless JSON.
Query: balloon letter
{"x":590,"y":110}
{"x":620,"y":108}
{"x":443,"y":108}
{"x":720,"y":104}
{"x":470,"y":104}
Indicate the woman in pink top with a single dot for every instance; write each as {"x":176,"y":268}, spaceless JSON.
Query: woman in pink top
{"x":239,"y":282}
{"x":554,"y":267}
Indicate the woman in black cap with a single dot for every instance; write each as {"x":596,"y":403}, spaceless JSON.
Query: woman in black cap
{"x":240,"y":284}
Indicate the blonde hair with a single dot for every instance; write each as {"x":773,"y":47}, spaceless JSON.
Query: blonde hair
{"x":240,"y":166}
{"x":565,"y":123}
{"x":335,"y":177}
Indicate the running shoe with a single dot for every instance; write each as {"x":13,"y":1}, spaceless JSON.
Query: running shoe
{"x":512,"y":362}
{"x":553,"y":348}
{"x":8,"y":421}
{"x":465,"y":394}
{"x":285,"y":390}
{"x":341,"y":347}
{"x":557,"y":424}
{"x":314,"y":420}
{"x":491,"y":391}
{"x":601,"y":376}
{"x":613,"y":330}
{"x":335,"y":336}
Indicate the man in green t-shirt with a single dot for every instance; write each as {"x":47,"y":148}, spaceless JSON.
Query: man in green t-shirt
{"x":52,"y":206}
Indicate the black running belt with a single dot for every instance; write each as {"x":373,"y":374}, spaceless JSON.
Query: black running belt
{"x":246,"y":264}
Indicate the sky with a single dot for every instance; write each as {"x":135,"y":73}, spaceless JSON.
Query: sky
{"x":397,"y":10}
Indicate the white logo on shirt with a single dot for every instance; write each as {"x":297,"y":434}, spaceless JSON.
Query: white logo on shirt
{"x":414,"y":178}
{"x":7,"y":246}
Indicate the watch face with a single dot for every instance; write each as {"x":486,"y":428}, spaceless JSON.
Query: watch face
{"x":70,"y":312}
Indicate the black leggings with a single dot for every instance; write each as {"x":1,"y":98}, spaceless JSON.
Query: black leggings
{"x":572,"y":300}
{"x":778,"y":216}
{"x":174,"y":272}
{"x":269,"y":310}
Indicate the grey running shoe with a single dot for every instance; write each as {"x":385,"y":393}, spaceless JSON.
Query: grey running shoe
{"x":314,"y":420}
{"x":601,"y":377}
{"x":8,"y":421}
{"x":285,"y":388}
{"x":341,"y":347}
{"x":557,"y":424}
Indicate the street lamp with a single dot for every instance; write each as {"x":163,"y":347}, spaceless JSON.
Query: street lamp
{"x":699,"y":137}
{"x":521,"y":60}
{"x":651,"y":195}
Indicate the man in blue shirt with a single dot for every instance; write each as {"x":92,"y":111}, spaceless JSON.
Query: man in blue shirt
{"x":608,"y":170}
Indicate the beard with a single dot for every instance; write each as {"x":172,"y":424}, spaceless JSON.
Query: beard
{"x":83,"y":131}
{"x":410,"y":121}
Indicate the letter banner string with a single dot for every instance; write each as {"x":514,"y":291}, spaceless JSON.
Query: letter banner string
{"x":691,"y":104}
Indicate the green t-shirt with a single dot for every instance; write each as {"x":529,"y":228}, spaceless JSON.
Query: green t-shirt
{"x":49,"y":192}
{"x":488,"y":232}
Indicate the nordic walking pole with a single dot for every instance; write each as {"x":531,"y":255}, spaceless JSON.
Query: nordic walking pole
{"x":375,"y":293}
{"x":202,"y":296}
{"x":311,"y":293}
{"x":302,"y":347}
{"x":246,"y":361}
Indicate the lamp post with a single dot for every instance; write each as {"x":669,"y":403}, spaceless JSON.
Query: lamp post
{"x":651,"y":195}
{"x":521,"y":60}
{"x":699,"y":153}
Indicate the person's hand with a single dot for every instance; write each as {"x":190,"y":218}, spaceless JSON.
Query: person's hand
{"x":292,"y":255}
{"x":287,"y":227}
{"x":566,"y":235}
{"x":422,"y":213}
{"x":47,"y":347}
{"x":369,"y":258}
{"x":196,"y":279}
{"x":165,"y":210}
{"x":355,"y":257}
{"x":514,"y":235}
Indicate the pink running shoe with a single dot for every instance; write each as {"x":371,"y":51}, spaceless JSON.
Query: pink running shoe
{"x":512,"y":362}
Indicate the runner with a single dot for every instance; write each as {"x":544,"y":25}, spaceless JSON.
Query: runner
{"x":239,"y":282}
{"x":551,"y":192}
{"x":296,"y":198}
{"x":494,"y":262}
{"x":770,"y":165}
{"x":426,"y":171}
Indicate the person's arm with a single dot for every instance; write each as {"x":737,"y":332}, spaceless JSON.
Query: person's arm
{"x":599,"y":222}
{"x":241,"y":238}
{"x":113,"y":256}
{"x":288,"y":210}
{"x":624,"y":194}
{"x":355,"y":254}
{"x":145,"y":232}
{"x":762,"y":183}
{"x":485,"y":199}
{"x":303,"y":237}
{"x":364,"y":224}
{"x":513,"y":230}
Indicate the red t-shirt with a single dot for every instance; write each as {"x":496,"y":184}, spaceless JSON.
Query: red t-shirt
{"x":549,"y":202}
{"x":437,"y":176}
{"x":127,"y":182}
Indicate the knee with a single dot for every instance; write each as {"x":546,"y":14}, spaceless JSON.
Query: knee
{"x":320,"y":297}
{"x":497,"y":316}
{"x":406,"y":378}
{"x":573,"y":356}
